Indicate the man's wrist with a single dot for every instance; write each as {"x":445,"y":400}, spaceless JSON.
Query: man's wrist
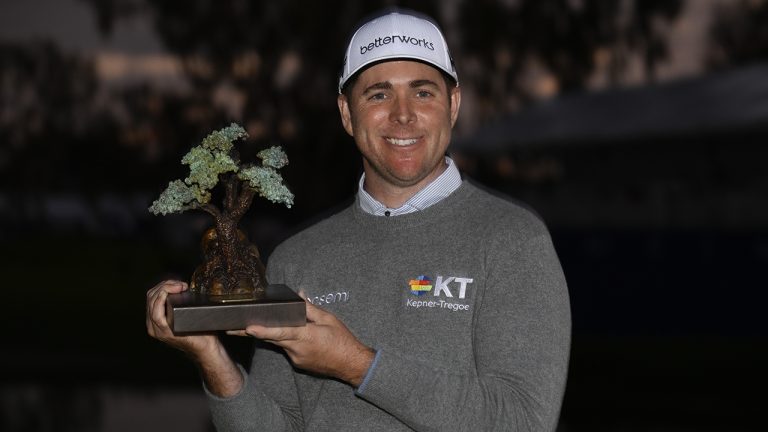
{"x":210,"y":352}
{"x":359,"y":366}
{"x":221,"y":375}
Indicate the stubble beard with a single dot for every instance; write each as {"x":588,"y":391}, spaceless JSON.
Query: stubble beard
{"x":389,"y":177}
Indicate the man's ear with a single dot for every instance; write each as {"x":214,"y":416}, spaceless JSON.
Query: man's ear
{"x":346,"y":117}
{"x":455,"y":95}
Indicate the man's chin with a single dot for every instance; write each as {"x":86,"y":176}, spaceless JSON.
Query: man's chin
{"x":409,"y":182}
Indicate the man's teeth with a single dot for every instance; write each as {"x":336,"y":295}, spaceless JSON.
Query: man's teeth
{"x":402,"y":142}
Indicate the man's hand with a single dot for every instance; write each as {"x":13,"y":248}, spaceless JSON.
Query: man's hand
{"x":219,"y":372}
{"x":325,"y":346}
{"x":157,"y":324}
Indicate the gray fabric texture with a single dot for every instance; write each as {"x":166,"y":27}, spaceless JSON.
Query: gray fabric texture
{"x":485,"y":349}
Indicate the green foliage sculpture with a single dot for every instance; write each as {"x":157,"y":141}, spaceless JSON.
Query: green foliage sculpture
{"x":231,"y":265}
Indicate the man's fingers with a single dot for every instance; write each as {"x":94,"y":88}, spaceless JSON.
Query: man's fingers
{"x":318,"y":315}
{"x":273,"y":334}
{"x":156,"y":298}
{"x":158,"y":308}
{"x":172,"y":286}
{"x":152,"y":296}
{"x":237,"y":333}
{"x":165,"y":286}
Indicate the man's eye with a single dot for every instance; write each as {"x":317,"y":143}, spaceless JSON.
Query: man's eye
{"x":378,"y":96}
{"x":423,"y":93}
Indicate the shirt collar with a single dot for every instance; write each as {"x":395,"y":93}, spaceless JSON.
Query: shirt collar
{"x":431,"y":194}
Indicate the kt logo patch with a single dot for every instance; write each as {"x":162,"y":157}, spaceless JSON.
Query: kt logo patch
{"x":442,"y":290}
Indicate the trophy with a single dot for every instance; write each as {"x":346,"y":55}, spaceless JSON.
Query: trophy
{"x":229,"y":290}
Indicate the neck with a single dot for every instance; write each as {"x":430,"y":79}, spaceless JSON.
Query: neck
{"x":394,"y":196}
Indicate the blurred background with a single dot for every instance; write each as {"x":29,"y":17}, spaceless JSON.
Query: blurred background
{"x":637,"y":129}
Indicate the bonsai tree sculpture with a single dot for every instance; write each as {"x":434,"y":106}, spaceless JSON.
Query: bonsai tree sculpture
{"x":231,"y":266}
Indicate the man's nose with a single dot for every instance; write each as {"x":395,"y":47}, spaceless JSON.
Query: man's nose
{"x":402,"y":111}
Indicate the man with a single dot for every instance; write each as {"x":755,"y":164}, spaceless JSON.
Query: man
{"x":432,"y":305}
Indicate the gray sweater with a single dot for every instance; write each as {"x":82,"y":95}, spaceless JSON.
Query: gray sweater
{"x":465,"y":304}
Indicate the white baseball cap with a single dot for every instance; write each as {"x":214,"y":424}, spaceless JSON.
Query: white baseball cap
{"x":397,"y":35}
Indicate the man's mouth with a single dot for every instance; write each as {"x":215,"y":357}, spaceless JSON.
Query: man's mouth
{"x":401,"y":142}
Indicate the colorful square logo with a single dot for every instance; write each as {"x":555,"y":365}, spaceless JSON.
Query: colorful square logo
{"x":421,"y":285}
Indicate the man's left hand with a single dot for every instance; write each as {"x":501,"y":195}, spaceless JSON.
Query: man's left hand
{"x":325,"y":346}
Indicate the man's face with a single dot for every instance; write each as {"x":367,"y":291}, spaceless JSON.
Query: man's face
{"x":400,"y":114}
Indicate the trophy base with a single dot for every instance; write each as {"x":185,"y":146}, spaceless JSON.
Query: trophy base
{"x":193,"y":312}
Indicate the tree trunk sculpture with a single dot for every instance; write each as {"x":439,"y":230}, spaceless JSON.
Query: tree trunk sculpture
{"x":231,"y":265}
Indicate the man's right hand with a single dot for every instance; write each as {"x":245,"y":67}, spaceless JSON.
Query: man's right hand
{"x":221,"y":375}
{"x":195,"y":345}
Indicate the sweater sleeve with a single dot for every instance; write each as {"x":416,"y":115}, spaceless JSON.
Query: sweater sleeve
{"x":521,"y":341}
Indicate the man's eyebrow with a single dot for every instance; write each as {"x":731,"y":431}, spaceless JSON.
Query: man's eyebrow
{"x":383,"y":85}
{"x":386,"y":85}
{"x":422,"y":83}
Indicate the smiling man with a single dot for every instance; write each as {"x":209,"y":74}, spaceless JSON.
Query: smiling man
{"x":432,"y":305}
{"x":400,"y":113}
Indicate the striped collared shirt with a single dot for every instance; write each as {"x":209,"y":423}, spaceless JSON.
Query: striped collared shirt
{"x":439,"y":188}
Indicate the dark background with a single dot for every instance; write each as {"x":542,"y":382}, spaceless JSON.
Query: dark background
{"x":637,"y":129}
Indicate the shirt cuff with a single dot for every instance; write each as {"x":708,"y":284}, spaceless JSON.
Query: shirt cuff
{"x":368,"y":374}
